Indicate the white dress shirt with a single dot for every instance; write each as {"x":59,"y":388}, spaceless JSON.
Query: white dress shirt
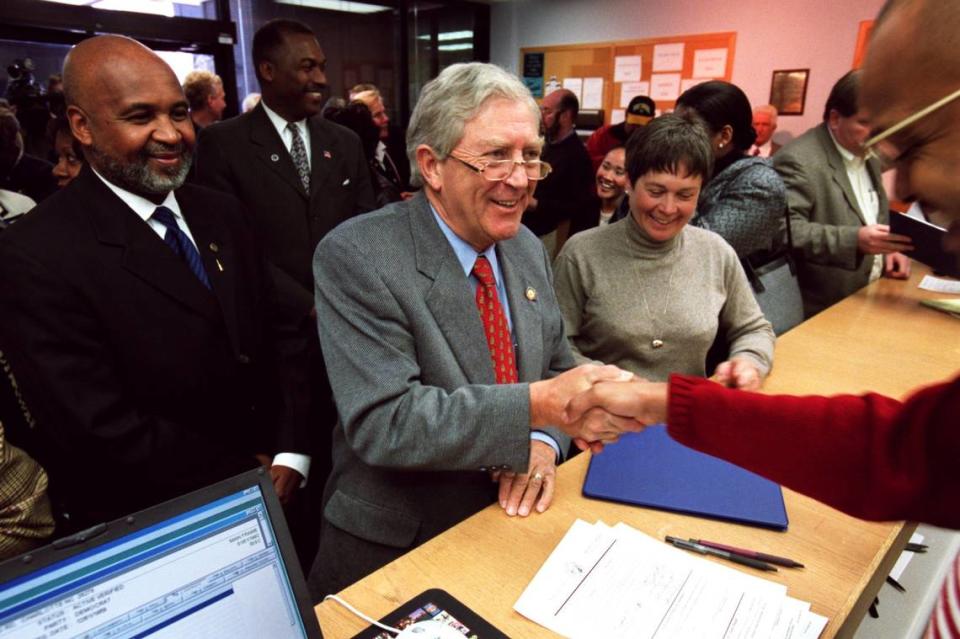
{"x":285,"y":134}
{"x":866,"y":194}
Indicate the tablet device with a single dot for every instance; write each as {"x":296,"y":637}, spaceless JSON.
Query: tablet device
{"x":438,"y":605}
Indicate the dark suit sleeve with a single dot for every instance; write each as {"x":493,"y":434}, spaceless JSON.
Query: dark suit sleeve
{"x":59,"y":352}
{"x":366,"y":198}
{"x":564,"y":194}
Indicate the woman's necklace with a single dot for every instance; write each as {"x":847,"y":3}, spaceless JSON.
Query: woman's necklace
{"x":657,"y":342}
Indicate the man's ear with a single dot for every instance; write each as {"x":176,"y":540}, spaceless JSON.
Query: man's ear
{"x":267,"y":70}
{"x":79,"y":125}
{"x":429,"y":166}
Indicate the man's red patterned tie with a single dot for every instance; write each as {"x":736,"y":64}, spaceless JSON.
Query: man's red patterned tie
{"x":494,"y":323}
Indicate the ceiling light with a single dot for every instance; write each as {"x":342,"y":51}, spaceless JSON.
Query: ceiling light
{"x":338,"y":5}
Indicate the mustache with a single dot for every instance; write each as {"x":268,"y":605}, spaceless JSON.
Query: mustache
{"x":314,"y":88}
{"x":161,"y":148}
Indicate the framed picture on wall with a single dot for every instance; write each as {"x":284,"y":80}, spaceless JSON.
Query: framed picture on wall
{"x":788,"y":90}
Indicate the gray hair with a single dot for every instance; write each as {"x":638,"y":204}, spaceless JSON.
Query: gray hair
{"x":451,"y":99}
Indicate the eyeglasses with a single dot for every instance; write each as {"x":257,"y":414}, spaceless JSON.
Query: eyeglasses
{"x":500,"y":170}
{"x":888,"y":153}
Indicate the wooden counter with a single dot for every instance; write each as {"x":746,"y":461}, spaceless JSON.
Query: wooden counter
{"x":879,"y":339}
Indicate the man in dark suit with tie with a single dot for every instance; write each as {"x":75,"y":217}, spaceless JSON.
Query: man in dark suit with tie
{"x":299,"y":176}
{"x":133,"y":307}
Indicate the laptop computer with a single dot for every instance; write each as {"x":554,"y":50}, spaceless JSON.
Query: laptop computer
{"x":216,"y":563}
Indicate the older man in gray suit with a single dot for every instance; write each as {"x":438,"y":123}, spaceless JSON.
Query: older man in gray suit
{"x":442,"y":337}
{"x":838,"y":208}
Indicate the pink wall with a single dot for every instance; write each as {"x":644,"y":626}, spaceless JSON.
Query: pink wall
{"x":815,"y":34}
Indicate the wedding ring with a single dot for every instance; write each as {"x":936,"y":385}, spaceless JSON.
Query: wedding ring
{"x":537,"y":476}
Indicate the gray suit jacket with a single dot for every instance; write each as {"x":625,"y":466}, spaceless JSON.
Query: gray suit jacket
{"x":825,"y":218}
{"x":422,"y":419}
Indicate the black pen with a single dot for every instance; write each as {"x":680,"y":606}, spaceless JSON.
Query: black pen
{"x":743,"y":552}
{"x":729,"y":556}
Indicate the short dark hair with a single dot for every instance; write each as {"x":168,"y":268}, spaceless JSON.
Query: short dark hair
{"x":569,"y":102}
{"x":270,"y":37}
{"x":844,"y":96}
{"x":668,"y":142}
{"x":720,"y":104}
{"x":356,"y":117}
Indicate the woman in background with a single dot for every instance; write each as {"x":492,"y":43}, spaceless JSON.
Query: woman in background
{"x":610,"y":189}
{"x":745,"y":201}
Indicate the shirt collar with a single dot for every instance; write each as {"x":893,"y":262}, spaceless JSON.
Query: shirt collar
{"x":140,"y":205}
{"x":849,"y":159}
{"x":465,"y":253}
{"x":280,"y":124}
{"x":380,"y":151}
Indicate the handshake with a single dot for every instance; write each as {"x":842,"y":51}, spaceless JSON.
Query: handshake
{"x":595,"y":404}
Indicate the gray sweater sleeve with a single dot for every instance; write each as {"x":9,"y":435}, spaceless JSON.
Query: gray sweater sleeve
{"x":748,"y":332}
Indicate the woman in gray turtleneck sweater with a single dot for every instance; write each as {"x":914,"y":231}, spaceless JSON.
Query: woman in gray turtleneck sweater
{"x":650,"y":293}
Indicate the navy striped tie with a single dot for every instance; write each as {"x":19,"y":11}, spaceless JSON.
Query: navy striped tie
{"x":181,"y":244}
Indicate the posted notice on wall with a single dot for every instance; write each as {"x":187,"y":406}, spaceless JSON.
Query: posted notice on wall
{"x":592,"y":94}
{"x":665,"y":86}
{"x":630,"y":90}
{"x":627,"y":68}
{"x":617,"y":116}
{"x":689,"y":83}
{"x":709,"y":63}
{"x":668,"y":57}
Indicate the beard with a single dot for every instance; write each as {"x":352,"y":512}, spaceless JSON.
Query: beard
{"x":137,"y":176}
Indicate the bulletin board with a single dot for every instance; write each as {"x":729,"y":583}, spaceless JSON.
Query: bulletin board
{"x":605,"y":75}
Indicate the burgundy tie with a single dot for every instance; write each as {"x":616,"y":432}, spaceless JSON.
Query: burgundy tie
{"x":494,"y":323}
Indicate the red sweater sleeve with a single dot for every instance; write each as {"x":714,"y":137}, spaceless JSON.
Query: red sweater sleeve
{"x":870,"y":456}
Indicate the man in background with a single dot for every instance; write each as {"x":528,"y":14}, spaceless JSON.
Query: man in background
{"x":391,"y":153}
{"x":568,"y":189}
{"x":765,"y":124}
{"x":299,"y":176}
{"x":639,"y":112}
{"x":204,"y":91}
{"x":838,"y":208}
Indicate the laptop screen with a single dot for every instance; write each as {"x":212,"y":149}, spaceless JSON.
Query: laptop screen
{"x":213,"y":570}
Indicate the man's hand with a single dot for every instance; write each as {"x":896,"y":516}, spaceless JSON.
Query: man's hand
{"x":549,"y":397}
{"x":875,"y":239}
{"x":641,"y":402}
{"x":285,"y":481}
{"x":738,"y":373}
{"x":519,"y":493}
{"x":896,"y":266}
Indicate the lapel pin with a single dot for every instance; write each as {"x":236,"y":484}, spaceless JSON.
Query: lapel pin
{"x":327,"y":155}
{"x":531,"y":293}
{"x":214,"y":247}
{"x":274,"y":157}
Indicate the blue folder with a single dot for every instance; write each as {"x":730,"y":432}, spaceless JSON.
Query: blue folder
{"x":650,"y":469}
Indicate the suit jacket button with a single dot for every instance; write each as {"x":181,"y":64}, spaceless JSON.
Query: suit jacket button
{"x":483,"y":469}
{"x":243,"y":359}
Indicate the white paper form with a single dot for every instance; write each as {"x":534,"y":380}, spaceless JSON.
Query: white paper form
{"x":575,"y":85}
{"x":617,"y":116}
{"x":592,"y":94}
{"x":709,"y":63}
{"x":630,"y":90}
{"x":668,"y":57}
{"x":940,"y":285}
{"x":627,"y":68}
{"x":621,"y":583}
{"x":665,"y":86}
